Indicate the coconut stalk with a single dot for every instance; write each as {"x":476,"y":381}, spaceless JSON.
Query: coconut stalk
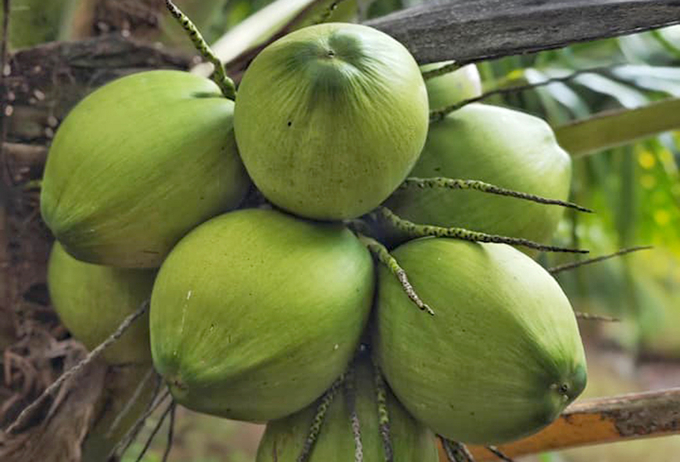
{"x":600,"y":421}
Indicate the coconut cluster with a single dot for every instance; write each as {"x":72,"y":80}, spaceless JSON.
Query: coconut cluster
{"x":275,"y":236}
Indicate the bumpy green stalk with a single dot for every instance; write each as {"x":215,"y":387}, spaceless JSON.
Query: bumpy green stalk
{"x":220,"y":76}
{"x":383,"y":255}
{"x":445,"y":69}
{"x":350,"y":401}
{"x":440,"y":182}
{"x":319,"y":418}
{"x":383,"y":415}
{"x":415,"y":230}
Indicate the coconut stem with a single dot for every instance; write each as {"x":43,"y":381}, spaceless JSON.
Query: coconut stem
{"x":415,"y":230}
{"x":171,"y":433}
{"x":134,"y":431}
{"x":383,"y":255}
{"x":329,"y":12}
{"x":220,"y":76}
{"x":319,"y":418}
{"x":570,"y":266}
{"x":383,"y":414}
{"x":156,"y":429}
{"x":456,"y":452}
{"x":445,"y":69}
{"x":133,"y":399}
{"x":440,"y":182}
{"x":496,"y":452}
{"x":439,"y":114}
{"x":350,"y":401}
{"x":594,"y":317}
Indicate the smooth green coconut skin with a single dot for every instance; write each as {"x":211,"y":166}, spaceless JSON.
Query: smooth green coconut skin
{"x":453,"y":87}
{"x":330,"y":119}
{"x":137,"y":164}
{"x":284,"y":439}
{"x":256,"y":312}
{"x":489,"y":366}
{"x":500,"y":146}
{"x":92,"y":301}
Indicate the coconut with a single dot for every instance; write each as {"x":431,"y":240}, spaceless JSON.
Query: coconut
{"x":255,"y":313}
{"x":137,"y":164}
{"x":452,"y":87}
{"x":284,"y":439}
{"x":330,"y":119}
{"x":501,"y":358}
{"x":93,"y":300}
{"x":500,"y":146}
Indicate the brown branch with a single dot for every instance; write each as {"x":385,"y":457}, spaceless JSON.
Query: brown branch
{"x":466,"y":31}
{"x":602,"y":420}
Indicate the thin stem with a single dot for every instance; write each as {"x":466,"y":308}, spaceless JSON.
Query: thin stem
{"x":220,"y":76}
{"x":94,"y":354}
{"x":415,"y":230}
{"x":133,"y":399}
{"x":383,"y":255}
{"x":350,"y":401}
{"x":383,"y":414}
{"x":595,"y":317}
{"x":156,"y":429}
{"x":570,"y":266}
{"x":329,"y":12}
{"x":445,"y":69}
{"x":456,"y":452}
{"x":171,"y":433}
{"x":319,"y":418}
{"x":496,"y":452}
{"x":131,"y":435}
{"x":440,"y":182}
{"x":439,"y":114}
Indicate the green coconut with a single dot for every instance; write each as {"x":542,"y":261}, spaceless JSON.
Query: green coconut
{"x":93,"y":300}
{"x":284,"y":439}
{"x":330,"y":119}
{"x":452,"y":87}
{"x":137,"y":164}
{"x":126,"y":396}
{"x":255,"y":313}
{"x":501,"y":358}
{"x":500,"y":146}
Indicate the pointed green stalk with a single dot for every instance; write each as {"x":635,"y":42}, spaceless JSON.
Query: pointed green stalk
{"x":414,"y":230}
{"x":220,"y":75}
{"x":440,"y":182}
{"x":383,"y":255}
{"x":319,"y":417}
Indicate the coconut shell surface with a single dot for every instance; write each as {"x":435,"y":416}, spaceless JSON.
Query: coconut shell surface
{"x":284,"y":439}
{"x":137,"y":164}
{"x":500,"y":146}
{"x":330,"y":119}
{"x":502,"y":355}
{"x":255,"y":313}
{"x":93,"y":300}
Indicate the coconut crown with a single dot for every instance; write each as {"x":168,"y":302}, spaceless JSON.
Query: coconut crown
{"x":330,"y":119}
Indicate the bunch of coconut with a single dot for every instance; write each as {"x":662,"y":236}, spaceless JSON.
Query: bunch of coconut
{"x":363,"y":304}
